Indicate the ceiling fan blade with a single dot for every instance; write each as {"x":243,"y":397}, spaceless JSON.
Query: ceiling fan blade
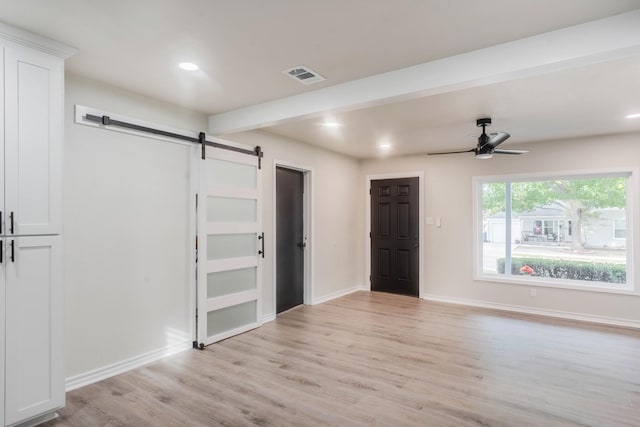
{"x":451,"y":152}
{"x":498,"y":151}
{"x":496,"y":139}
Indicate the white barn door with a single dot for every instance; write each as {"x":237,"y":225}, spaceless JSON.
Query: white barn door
{"x":230,"y":245}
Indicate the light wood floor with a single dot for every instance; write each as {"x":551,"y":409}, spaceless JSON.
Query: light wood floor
{"x":379,"y":359}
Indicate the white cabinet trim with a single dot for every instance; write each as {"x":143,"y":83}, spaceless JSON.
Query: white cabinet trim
{"x":35,"y":41}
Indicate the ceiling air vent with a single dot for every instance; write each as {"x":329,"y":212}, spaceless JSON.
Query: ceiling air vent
{"x":304,"y":75}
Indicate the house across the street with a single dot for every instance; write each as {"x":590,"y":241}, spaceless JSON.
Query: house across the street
{"x":551,"y":225}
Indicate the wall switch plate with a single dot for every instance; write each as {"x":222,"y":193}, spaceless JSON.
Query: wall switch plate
{"x":438,"y":223}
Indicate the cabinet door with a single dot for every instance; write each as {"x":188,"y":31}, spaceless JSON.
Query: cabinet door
{"x":2,"y":210}
{"x":33,"y":141}
{"x":2,"y":328}
{"x":34,"y":382}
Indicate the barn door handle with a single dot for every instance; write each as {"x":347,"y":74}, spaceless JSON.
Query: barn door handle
{"x":261,"y":238}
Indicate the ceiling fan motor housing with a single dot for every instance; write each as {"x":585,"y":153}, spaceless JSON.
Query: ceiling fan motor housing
{"x":483,"y":140}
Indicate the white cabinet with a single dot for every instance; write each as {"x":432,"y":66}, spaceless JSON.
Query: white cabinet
{"x":33,"y":93}
{"x":31,"y":307}
{"x":34,"y":382}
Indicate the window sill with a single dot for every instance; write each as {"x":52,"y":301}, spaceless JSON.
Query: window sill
{"x":557,"y":284}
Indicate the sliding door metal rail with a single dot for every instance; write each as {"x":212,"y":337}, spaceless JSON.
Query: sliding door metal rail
{"x":108,"y":121}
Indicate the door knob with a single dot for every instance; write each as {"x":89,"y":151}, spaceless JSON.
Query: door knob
{"x":302,"y":245}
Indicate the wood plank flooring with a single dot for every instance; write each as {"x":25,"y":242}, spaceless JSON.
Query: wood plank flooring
{"x":386,"y":360}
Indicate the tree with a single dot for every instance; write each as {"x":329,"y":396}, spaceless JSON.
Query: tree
{"x":579,"y":198}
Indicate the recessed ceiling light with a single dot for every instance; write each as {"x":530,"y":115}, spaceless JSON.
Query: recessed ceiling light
{"x":385,"y":146}
{"x":331,"y":124}
{"x":188,"y":66}
{"x":633,"y":116}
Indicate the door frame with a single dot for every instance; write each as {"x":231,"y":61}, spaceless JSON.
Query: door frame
{"x":367,"y":245}
{"x":308,"y":226}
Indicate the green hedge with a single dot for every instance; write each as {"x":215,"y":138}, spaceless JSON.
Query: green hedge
{"x":572,"y":270}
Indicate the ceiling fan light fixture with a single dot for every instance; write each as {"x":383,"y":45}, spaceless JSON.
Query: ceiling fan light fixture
{"x":484,"y":156}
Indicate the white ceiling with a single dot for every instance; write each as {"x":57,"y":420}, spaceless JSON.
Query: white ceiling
{"x":591,"y":100}
{"x":243,"y":45}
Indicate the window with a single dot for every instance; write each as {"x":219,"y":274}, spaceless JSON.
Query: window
{"x":555,"y":230}
{"x":620,"y":228}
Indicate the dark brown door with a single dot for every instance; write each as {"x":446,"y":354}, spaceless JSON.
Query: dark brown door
{"x":395,"y":236}
{"x":290,"y":244}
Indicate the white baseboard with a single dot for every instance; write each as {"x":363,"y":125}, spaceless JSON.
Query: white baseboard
{"x":335,"y":295}
{"x":268,"y":318}
{"x":123,"y":366}
{"x":537,"y":311}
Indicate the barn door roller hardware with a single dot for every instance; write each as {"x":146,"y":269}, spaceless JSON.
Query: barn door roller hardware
{"x":201,"y":140}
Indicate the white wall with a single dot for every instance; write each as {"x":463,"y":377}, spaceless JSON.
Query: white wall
{"x":126,"y":232}
{"x":448,"y":190}
{"x":337,"y":249}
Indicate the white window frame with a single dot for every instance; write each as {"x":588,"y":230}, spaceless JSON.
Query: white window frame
{"x":633,"y":238}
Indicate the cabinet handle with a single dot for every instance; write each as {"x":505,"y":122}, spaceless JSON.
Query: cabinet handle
{"x":13,"y":251}
{"x":1,"y":251}
{"x":0,"y":222}
{"x":11,"y":221}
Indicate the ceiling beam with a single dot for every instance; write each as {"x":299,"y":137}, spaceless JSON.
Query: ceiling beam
{"x":597,"y":41}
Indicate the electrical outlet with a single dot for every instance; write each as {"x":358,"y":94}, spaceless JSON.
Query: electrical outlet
{"x":533,"y":292}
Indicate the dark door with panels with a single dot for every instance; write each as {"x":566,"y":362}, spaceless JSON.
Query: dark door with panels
{"x":289,"y":239}
{"x":395,"y":236}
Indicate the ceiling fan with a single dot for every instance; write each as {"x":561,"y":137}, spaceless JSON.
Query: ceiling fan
{"x":487,"y":143}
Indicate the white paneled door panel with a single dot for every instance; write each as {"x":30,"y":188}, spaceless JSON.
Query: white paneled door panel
{"x":229,"y":245}
{"x":33,"y":86}
{"x":33,"y":285}
{"x":2,"y":328}
{"x":2,"y":136}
